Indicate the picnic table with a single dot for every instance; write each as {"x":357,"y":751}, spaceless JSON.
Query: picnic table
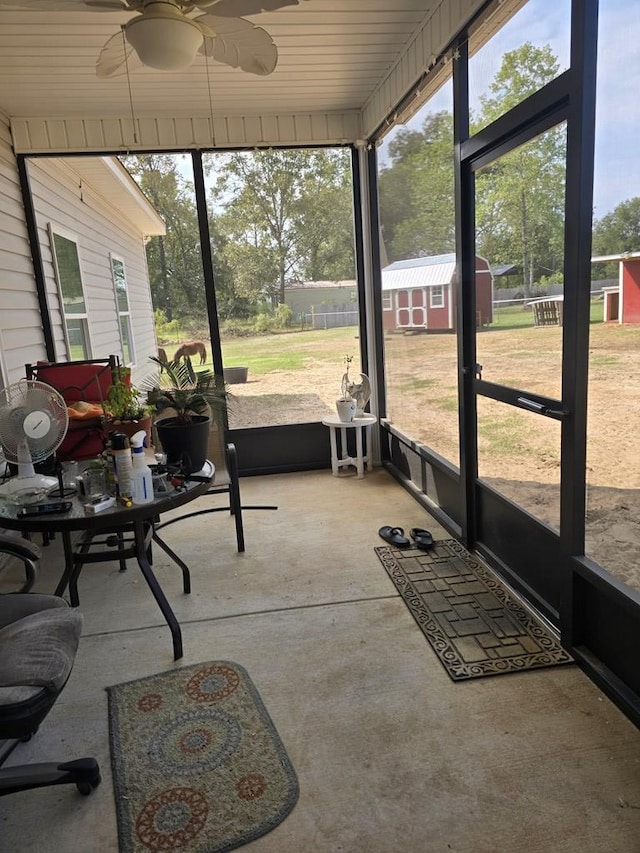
{"x":547,"y":311}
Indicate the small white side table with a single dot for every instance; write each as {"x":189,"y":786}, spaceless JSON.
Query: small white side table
{"x":359,"y":461}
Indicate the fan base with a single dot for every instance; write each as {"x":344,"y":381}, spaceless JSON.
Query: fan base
{"x":25,"y":490}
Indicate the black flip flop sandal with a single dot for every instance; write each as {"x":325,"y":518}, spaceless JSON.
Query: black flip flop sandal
{"x":422,"y":538}
{"x":394,"y":536}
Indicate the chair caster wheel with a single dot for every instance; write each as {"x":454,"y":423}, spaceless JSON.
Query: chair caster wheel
{"x":85,"y":787}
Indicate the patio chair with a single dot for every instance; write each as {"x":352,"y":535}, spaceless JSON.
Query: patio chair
{"x":85,"y":381}
{"x":39,"y":636}
{"x":80,"y":381}
{"x":223,"y":455}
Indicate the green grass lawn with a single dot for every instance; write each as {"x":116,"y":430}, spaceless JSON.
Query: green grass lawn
{"x":291,"y":350}
{"x":519,"y":316}
{"x":297,"y":350}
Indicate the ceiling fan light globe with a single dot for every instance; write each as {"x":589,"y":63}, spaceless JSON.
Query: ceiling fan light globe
{"x":165,"y":43}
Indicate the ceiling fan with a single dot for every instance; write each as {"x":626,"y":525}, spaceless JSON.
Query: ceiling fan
{"x":163,"y":35}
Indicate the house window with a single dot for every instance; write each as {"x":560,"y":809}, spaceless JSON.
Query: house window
{"x":122,"y":304}
{"x":387,"y":304}
{"x":436,"y":296}
{"x":69,"y":278}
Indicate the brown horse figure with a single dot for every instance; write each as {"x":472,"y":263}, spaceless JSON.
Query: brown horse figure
{"x":191,"y":348}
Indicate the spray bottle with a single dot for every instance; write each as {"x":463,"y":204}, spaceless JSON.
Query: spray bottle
{"x":141,"y":478}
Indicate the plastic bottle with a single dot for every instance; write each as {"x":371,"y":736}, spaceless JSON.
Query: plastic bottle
{"x":122,"y":463}
{"x":141,"y":478}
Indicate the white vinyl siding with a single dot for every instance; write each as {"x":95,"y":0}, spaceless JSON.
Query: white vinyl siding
{"x":21,"y":336}
{"x":62,"y":198}
{"x":40,"y":135}
{"x":443,"y":22}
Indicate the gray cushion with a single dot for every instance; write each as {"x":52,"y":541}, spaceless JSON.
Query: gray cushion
{"x":37,"y":651}
{"x":17,"y":605}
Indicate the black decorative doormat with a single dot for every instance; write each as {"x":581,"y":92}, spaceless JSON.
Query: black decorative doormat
{"x":473,"y":623}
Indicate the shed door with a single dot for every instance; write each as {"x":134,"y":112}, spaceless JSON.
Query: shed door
{"x":412,"y":309}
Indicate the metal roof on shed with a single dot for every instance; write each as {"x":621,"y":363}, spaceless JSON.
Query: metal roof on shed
{"x":419,"y":272}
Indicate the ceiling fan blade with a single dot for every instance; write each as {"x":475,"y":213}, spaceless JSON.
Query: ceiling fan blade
{"x":74,"y":5}
{"x":235,"y":8}
{"x":113,"y":5}
{"x":116,"y":56}
{"x":240,"y":44}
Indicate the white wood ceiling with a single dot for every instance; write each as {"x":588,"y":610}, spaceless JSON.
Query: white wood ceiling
{"x":334,"y":55}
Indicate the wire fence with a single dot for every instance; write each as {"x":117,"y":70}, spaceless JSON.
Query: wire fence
{"x":318,"y":318}
{"x":330,"y":319}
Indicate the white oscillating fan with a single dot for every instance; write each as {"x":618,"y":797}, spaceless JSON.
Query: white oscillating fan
{"x":33,"y":424}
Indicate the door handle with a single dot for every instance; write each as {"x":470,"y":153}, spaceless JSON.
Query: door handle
{"x":541,"y":409}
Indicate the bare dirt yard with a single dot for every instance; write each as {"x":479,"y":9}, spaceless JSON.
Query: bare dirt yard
{"x":519,"y":452}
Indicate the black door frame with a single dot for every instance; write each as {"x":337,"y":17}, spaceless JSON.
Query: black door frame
{"x":597,"y":616}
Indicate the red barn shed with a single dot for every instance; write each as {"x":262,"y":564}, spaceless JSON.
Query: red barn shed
{"x":622,"y":303}
{"x":419,"y":293}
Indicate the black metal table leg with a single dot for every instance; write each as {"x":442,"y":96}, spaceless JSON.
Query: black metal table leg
{"x":68,"y":563}
{"x":156,"y":589}
{"x":186,"y":577}
{"x":74,"y":598}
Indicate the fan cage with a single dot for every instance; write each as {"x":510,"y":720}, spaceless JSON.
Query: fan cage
{"x":31,"y":397}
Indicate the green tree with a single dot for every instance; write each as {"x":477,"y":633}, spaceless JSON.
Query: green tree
{"x":522,"y":72}
{"x":520,"y":196}
{"x":326,"y":239}
{"x":417,"y":191}
{"x":286,"y":216}
{"x":174,"y":260}
{"x":617,"y":232}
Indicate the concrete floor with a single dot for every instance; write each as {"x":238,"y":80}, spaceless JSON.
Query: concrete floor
{"x":391,"y":755}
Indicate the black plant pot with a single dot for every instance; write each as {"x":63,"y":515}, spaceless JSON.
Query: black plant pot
{"x":186,"y":444}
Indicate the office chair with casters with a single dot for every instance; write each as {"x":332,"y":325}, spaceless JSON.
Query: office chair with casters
{"x":25,"y":551}
{"x":39,"y":637}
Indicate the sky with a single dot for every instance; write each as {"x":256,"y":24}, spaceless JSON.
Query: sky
{"x":542,"y":22}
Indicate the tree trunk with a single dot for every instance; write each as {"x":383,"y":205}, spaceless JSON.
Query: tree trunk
{"x":165,"y":298}
{"x":526,"y":273}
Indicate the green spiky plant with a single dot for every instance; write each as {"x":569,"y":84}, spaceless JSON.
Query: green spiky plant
{"x":186,"y":391}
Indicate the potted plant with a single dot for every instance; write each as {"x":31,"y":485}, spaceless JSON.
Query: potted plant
{"x":124,"y":408}
{"x":185,"y":402}
{"x":345,"y":404}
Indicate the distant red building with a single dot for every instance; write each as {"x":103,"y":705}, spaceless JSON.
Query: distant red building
{"x":419,"y":293}
{"x":622,"y":303}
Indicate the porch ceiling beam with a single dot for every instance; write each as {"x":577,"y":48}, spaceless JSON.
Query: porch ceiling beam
{"x":48,"y":135}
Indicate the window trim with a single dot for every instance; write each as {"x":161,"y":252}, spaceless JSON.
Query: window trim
{"x":432,"y":290}
{"x":53,"y":230}
{"x":113,"y":256}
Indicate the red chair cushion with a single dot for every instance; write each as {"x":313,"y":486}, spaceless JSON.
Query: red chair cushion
{"x":86,"y":438}
{"x":90,"y":382}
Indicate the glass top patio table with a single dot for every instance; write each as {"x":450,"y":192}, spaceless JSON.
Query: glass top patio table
{"x":138,"y":518}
